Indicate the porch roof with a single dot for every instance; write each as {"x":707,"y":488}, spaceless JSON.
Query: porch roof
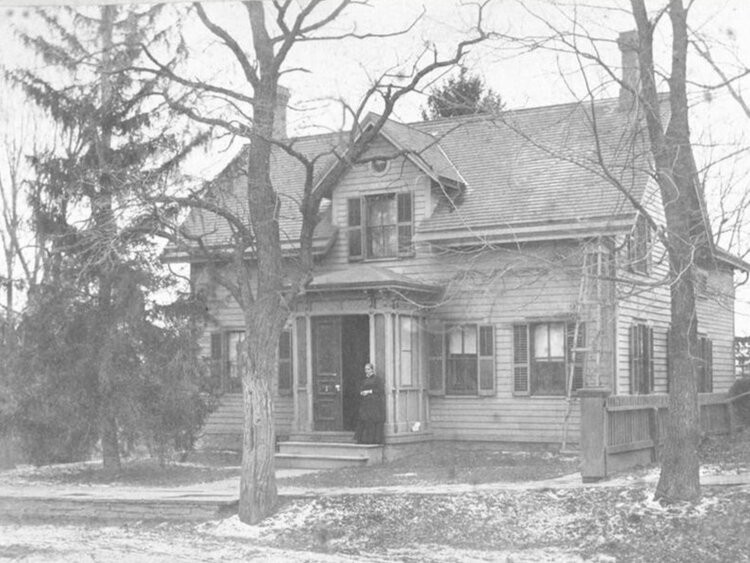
{"x":366,"y":276}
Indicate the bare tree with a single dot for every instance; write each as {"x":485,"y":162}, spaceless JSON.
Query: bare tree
{"x":265,"y":283}
{"x":21,"y":257}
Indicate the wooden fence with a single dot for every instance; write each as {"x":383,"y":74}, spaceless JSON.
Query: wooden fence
{"x":622,"y":431}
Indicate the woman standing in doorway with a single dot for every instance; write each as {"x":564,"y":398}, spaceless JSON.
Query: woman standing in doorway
{"x":371,"y":413}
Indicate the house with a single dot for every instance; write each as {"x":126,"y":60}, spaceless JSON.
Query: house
{"x":489,"y":266}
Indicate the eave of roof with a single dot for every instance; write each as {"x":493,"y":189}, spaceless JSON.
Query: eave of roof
{"x":321,"y":245}
{"x":531,"y":231}
{"x":363,"y":277}
{"x":731,"y":260}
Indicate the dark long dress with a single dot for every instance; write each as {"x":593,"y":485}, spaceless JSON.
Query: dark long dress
{"x":371,"y":413}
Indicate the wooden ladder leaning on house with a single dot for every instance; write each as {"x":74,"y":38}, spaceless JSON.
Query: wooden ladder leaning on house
{"x":592,"y":272}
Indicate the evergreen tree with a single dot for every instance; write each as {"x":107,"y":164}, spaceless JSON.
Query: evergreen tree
{"x":112,"y":146}
{"x":465,"y":94}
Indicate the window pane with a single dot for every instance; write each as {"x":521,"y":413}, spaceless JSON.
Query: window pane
{"x":407,"y":376}
{"x":462,"y":376}
{"x":557,"y":340}
{"x":406,"y":330}
{"x":381,"y":210}
{"x":455,"y":340}
{"x":470,"y":339}
{"x":381,"y":242}
{"x":541,"y":342}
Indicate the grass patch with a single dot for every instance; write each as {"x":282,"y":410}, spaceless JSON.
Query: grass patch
{"x":446,"y":463}
{"x":727,"y":453}
{"x":138,"y":473}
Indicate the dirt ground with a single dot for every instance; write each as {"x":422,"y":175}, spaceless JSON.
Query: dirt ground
{"x":225,"y":541}
{"x":608,"y":523}
{"x":542,"y":521}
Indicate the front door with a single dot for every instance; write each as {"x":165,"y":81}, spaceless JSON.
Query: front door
{"x":327,"y":383}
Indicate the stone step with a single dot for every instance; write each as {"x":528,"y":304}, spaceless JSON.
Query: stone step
{"x":372,"y":452}
{"x":299,"y":461}
{"x":338,"y":437}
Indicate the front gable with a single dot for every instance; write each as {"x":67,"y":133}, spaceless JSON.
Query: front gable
{"x":377,"y":204}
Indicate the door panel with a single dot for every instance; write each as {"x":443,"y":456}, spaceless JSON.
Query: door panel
{"x":327,"y":407}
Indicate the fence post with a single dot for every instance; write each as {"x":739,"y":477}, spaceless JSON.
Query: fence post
{"x":593,"y":433}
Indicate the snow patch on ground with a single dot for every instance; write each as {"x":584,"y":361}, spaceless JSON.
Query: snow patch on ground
{"x":447,"y":554}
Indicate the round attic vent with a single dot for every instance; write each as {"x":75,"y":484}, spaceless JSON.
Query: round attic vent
{"x":379,"y":166}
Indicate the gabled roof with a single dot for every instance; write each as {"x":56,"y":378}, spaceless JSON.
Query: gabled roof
{"x":538,"y":173}
{"x":533,"y":168}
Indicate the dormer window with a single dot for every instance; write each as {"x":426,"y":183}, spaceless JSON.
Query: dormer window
{"x":380,"y":226}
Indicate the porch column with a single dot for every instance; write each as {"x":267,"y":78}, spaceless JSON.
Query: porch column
{"x":308,"y":424}
{"x":295,"y":373}
{"x":390,"y":389}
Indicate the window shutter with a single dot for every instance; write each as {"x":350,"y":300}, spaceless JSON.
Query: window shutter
{"x":635,"y":360}
{"x":578,"y":357}
{"x":404,"y":219}
{"x":486,"y":350}
{"x":285,"y":362}
{"x":355,"y":227}
{"x":649,"y":363}
{"x":521,"y":359}
{"x":668,"y":360}
{"x":436,"y":358}
{"x":705,"y":368}
{"x":301,"y":352}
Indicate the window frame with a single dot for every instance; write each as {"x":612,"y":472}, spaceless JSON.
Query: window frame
{"x":223,"y":367}
{"x":360,"y":233}
{"x":524,"y":369}
{"x":442,"y":363}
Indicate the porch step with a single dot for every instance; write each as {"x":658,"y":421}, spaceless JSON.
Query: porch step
{"x":298,"y":461}
{"x":337,"y":437}
{"x":326,"y":455}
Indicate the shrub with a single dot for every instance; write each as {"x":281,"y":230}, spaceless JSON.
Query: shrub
{"x":742,"y":405}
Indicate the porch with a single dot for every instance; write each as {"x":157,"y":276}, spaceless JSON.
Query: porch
{"x":345,"y":320}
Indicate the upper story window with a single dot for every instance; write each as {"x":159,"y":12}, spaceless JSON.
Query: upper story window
{"x":639,"y":246}
{"x":380,"y":226}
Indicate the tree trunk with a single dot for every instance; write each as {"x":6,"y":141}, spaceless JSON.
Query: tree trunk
{"x":110,"y":442}
{"x":104,"y":220}
{"x":680,"y":467}
{"x":687,"y":239}
{"x":258,"y":480}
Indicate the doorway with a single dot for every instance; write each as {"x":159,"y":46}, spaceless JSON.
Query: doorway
{"x":341,"y":348}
